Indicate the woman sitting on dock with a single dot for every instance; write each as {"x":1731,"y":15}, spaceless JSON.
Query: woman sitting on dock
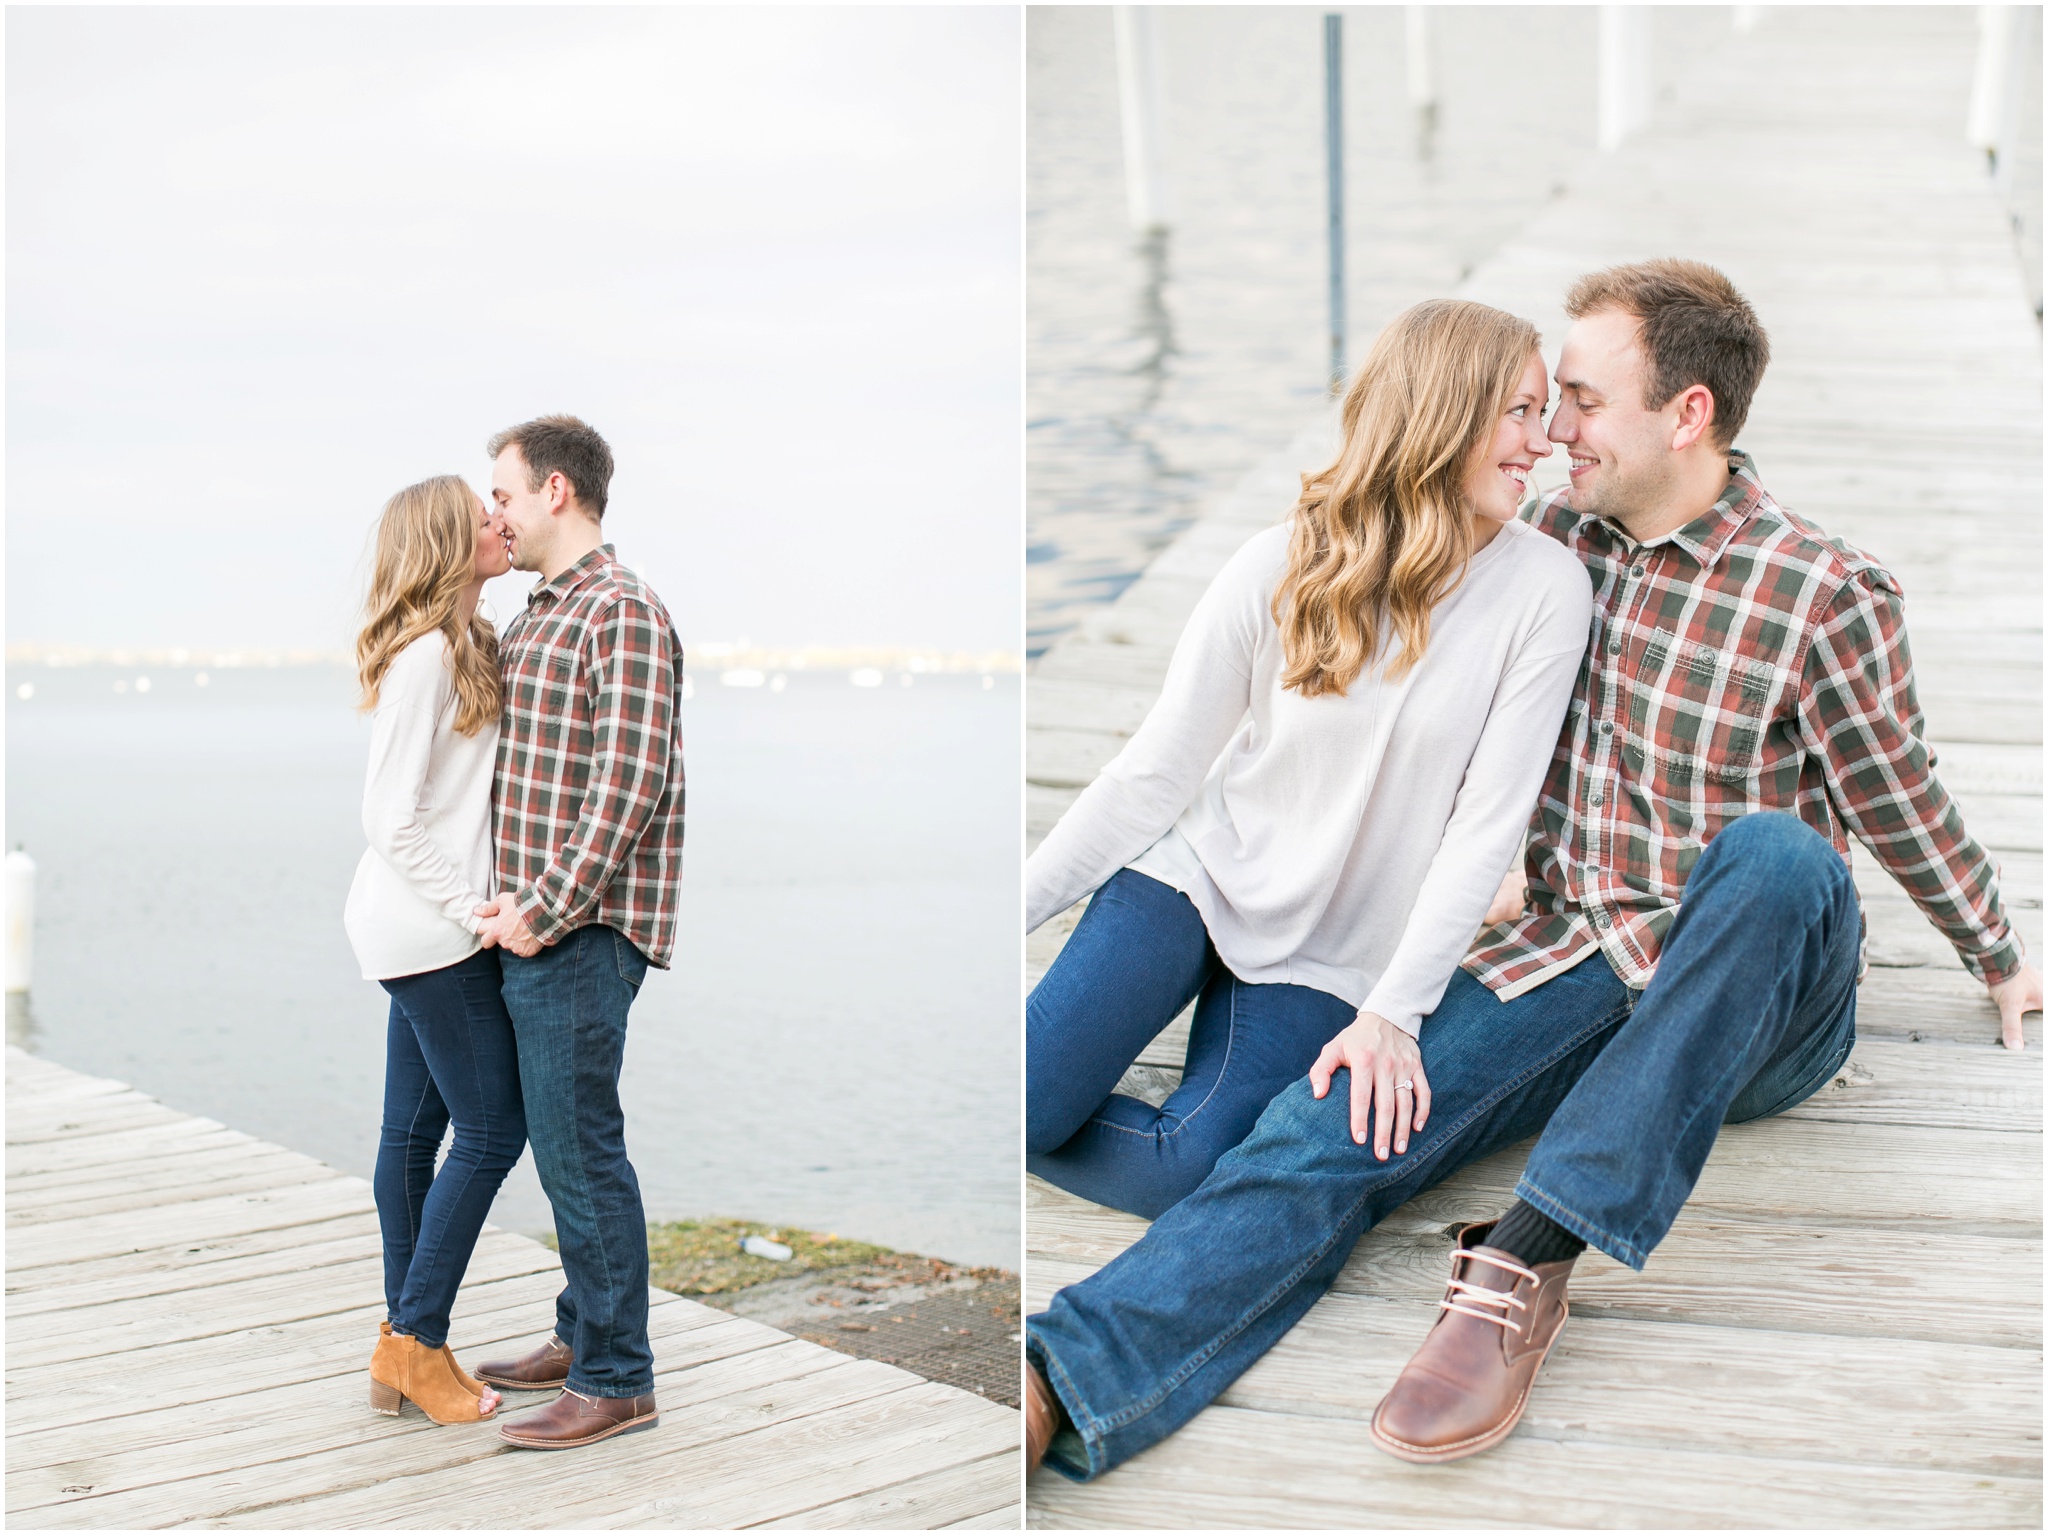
{"x":429,"y":669}
{"x":1313,"y":821}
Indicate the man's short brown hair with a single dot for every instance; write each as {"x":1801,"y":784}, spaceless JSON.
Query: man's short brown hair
{"x":1696,"y":330}
{"x":561,"y":443}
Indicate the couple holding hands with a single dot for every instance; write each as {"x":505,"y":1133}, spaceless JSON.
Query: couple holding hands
{"x":1700,"y":696}
{"x":524,"y":810}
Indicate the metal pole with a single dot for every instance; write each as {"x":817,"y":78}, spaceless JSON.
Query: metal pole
{"x":1141,"y":91}
{"x":1333,"y":144}
{"x":1625,"y":84}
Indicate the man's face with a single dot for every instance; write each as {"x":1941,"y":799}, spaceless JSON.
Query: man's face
{"x":520,"y":512}
{"x":1623,"y":466}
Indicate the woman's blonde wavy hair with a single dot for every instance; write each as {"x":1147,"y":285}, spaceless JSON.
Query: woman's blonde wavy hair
{"x":1383,"y":534}
{"x":425,"y":560}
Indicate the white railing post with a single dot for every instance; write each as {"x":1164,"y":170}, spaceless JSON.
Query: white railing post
{"x":1333,"y":165}
{"x":1141,"y":91}
{"x":1988,"y":81}
{"x":1625,"y":83}
{"x":20,"y":895}
{"x":1421,"y":67}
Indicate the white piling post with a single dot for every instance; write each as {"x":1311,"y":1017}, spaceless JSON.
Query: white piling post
{"x":1333,"y":166}
{"x":21,"y":919}
{"x":1625,"y":83}
{"x":1421,"y":69}
{"x":1987,"y":82}
{"x":1141,"y":90}
{"x":1746,"y":18}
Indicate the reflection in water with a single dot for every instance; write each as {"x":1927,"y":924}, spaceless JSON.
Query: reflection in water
{"x":1153,"y":328}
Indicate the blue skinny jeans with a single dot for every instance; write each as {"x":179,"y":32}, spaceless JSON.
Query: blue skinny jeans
{"x":1752,"y":1008}
{"x":449,"y":1058}
{"x":1138,"y":956}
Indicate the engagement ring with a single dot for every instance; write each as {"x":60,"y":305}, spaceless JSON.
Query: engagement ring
{"x":1404,"y":1087}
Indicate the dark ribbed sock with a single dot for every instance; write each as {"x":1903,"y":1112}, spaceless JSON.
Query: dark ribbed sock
{"x":1529,"y":1235}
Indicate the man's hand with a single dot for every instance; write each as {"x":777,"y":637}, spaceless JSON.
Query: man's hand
{"x":504,"y":927}
{"x":2018,"y":993}
{"x":1379,"y":1056}
{"x":1510,"y":900}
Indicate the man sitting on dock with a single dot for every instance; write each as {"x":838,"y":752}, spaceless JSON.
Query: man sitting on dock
{"x":588,"y":818}
{"x":1683,"y":951}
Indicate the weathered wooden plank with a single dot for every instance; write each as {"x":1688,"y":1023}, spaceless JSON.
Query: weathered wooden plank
{"x":121,"y":1148}
{"x":1678,"y":1385}
{"x":1854,"y":1281}
{"x":248,"y":1359}
{"x":146,"y":1323}
{"x":1233,"y":1468}
{"x":173,"y":1483}
{"x":361,"y":1244}
{"x":161,"y":1269}
{"x":189,"y":1223}
{"x":256,"y":1172}
{"x":979,"y":1495}
{"x":686,"y":1473}
{"x":198,"y":1158}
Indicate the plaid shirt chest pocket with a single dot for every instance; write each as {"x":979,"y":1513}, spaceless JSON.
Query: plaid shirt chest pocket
{"x":1700,"y":721}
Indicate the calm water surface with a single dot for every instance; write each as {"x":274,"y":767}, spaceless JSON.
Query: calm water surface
{"x":1159,"y":371}
{"x":835,"y":1047}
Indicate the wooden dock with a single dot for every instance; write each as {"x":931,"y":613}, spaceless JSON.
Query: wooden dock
{"x":190,"y":1314}
{"x":1844,"y":1328}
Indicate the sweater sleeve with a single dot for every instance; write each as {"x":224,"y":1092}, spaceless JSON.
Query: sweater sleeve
{"x":415,"y":693}
{"x":1150,"y":782}
{"x":1491,"y":810}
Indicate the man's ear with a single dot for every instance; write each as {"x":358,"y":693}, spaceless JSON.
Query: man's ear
{"x":558,"y":491}
{"x":1695,"y":416}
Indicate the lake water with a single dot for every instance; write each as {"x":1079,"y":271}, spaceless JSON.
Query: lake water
{"x":837,"y":1045}
{"x":1160,"y":371}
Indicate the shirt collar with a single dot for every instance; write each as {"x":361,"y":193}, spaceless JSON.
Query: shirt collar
{"x":574,"y":576}
{"x":1709,"y":533}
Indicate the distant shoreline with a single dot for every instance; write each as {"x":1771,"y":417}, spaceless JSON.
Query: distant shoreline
{"x":726,"y":654}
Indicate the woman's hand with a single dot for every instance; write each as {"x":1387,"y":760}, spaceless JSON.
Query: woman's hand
{"x":1510,"y":901}
{"x":1380,"y":1059}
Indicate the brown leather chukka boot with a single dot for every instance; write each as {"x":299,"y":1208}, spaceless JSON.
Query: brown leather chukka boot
{"x":546,"y":1367}
{"x":573,"y":1419}
{"x":1465,"y":1389}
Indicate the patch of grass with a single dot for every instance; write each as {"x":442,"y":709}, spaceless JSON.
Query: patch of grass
{"x":704,"y":1257}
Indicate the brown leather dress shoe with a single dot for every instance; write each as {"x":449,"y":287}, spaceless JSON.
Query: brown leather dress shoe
{"x":546,"y":1367}
{"x":1465,"y":1389}
{"x":573,"y":1419}
{"x":1042,"y":1416}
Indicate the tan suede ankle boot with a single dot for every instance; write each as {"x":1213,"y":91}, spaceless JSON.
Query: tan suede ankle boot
{"x":403,"y":1369}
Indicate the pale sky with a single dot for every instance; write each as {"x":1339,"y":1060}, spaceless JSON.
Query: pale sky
{"x":266,"y":265}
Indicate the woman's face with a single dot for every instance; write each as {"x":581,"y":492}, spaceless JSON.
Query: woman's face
{"x":491,"y":557}
{"x":1498,"y":481}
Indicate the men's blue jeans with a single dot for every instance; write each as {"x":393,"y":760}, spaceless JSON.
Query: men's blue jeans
{"x":1138,"y":956}
{"x":1751,"y":1010}
{"x":568,"y":1005}
{"x":449,"y":1057}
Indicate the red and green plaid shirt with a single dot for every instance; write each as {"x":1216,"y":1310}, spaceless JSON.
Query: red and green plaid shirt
{"x":588,"y":805}
{"x":1745,"y":662}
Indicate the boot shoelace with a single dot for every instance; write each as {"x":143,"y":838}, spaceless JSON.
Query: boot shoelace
{"x":1478,"y":1295}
